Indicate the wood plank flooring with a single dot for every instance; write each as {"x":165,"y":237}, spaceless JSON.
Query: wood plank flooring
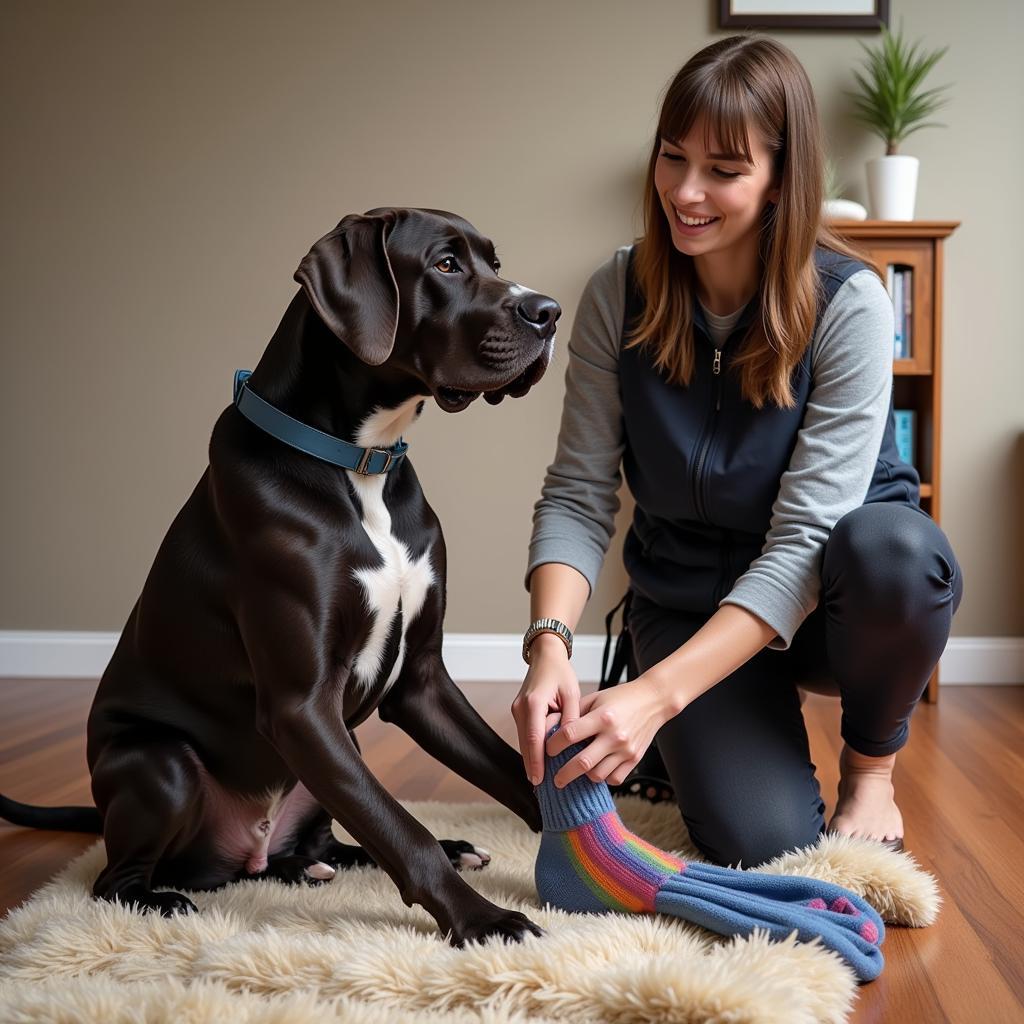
{"x":959,"y":784}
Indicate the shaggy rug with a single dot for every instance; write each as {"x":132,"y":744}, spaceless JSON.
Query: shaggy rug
{"x":350,"y":950}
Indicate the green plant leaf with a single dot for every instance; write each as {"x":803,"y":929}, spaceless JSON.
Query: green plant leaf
{"x":890,"y":100}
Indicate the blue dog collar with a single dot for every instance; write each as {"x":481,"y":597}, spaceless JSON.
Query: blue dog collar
{"x":366,"y":461}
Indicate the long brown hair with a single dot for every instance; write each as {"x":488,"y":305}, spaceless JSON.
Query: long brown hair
{"x":734,"y":83}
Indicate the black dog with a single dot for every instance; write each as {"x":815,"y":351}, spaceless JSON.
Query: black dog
{"x":291,"y":598}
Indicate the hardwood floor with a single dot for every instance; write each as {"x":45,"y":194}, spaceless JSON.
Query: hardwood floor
{"x":958,"y":783}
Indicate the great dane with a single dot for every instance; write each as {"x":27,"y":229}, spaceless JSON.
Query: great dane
{"x":291,"y":598}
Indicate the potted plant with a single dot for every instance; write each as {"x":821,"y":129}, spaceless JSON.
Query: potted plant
{"x":892,"y":103}
{"x":835,"y":207}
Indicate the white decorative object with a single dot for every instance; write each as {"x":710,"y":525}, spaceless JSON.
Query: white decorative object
{"x":843,"y":209}
{"x":892,"y":187}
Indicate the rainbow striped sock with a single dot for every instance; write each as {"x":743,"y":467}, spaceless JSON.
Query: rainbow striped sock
{"x":589,"y":862}
{"x":588,"y":858}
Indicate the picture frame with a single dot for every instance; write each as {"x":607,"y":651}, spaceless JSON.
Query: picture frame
{"x":804,"y":14}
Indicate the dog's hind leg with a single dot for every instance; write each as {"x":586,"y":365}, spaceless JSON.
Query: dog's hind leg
{"x":324,"y":847}
{"x":149,"y":793}
{"x":318,"y":842}
{"x":296,"y":869}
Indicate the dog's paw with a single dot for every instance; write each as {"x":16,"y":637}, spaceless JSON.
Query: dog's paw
{"x":298,"y":870}
{"x":166,"y":904}
{"x":464,"y":855}
{"x":319,"y":872}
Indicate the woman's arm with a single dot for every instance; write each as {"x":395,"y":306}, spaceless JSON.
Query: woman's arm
{"x":575,"y":516}
{"x":628,"y":716}
{"x":834,"y":457}
{"x":828,"y":475}
{"x":557,"y":592}
{"x":574,"y":519}
{"x":731,"y":637}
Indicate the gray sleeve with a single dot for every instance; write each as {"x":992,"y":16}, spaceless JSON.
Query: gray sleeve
{"x":834,"y":458}
{"x":574,"y":519}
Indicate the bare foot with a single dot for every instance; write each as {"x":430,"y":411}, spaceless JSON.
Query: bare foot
{"x":866,"y":806}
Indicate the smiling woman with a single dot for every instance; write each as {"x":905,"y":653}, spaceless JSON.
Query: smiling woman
{"x":698,"y":193}
{"x":729,"y":120}
{"x":735,"y":364}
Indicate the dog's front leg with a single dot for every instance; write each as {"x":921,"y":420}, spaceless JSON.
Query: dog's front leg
{"x":321,"y":753}
{"x":302,"y":721}
{"x":426,"y":703}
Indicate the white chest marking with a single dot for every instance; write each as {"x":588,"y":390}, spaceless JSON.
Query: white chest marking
{"x":401,"y":578}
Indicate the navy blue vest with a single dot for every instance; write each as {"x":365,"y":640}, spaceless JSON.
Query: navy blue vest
{"x":704,"y":465}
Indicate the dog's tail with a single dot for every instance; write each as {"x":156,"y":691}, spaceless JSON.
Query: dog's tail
{"x":60,"y":819}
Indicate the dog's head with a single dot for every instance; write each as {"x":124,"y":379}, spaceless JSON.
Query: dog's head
{"x":419,"y":290}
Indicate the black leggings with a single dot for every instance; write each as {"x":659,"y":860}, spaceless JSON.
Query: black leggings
{"x":738,"y":756}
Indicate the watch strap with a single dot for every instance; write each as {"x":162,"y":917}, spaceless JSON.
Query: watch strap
{"x":538,"y":626}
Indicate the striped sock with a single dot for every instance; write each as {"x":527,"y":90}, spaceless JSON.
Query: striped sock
{"x":589,"y":862}
{"x":588,"y":859}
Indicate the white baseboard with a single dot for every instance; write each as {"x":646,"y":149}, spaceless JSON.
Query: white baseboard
{"x":992,"y":660}
{"x":478,"y":657}
{"x":33,"y":654}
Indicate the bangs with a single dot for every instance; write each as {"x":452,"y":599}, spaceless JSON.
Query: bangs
{"x":723,"y":102}
{"x":742,"y":93}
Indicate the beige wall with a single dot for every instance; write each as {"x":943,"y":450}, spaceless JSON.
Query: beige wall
{"x":167,"y":165}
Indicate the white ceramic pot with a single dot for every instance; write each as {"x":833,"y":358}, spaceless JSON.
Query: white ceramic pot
{"x":892,"y":187}
{"x":843,"y":209}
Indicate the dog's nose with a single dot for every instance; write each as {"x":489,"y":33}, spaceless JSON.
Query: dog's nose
{"x":540,"y":312}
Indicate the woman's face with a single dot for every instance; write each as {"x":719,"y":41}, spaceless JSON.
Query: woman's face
{"x":701,"y":184}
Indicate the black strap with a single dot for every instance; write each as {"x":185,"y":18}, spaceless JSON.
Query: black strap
{"x":622,"y":659}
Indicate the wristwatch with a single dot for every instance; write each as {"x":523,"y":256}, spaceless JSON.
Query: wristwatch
{"x":560,"y":629}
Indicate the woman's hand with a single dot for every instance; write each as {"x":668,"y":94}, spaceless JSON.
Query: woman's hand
{"x":623,"y":721}
{"x":550,"y":686}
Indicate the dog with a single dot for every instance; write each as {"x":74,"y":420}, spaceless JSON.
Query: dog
{"x":291,"y":598}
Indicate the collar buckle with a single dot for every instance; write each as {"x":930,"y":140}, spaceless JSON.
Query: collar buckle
{"x":364,"y":462}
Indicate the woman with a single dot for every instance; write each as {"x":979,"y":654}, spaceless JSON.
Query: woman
{"x":737,"y":363}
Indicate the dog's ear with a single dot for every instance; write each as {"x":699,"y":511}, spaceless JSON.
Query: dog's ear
{"x":349,"y":281}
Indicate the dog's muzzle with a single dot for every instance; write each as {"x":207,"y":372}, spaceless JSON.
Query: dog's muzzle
{"x":457,"y":399}
{"x":499,"y":357}
{"x":530,"y":376}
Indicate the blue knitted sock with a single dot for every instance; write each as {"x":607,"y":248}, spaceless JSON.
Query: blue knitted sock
{"x":590,"y":862}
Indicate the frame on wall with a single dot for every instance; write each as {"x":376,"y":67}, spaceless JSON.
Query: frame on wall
{"x":819,"y":14}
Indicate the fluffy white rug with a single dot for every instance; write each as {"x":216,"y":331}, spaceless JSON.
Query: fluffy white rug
{"x":266,"y":953}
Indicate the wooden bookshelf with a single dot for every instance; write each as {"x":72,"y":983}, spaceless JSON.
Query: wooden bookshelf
{"x":917,"y":383}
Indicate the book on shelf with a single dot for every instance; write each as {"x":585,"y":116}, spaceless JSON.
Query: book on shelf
{"x":908,"y":309}
{"x":906,"y":428}
{"x":900,"y":283}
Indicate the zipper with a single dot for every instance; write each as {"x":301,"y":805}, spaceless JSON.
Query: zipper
{"x":716,"y":369}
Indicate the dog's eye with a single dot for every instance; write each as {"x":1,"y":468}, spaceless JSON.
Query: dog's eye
{"x":447,"y":265}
